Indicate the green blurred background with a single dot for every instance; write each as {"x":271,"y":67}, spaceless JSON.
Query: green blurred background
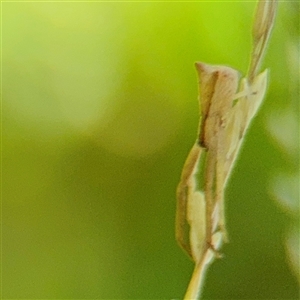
{"x":99,"y":112}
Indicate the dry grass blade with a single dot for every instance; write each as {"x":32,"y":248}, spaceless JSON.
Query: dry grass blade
{"x":262,"y":27}
{"x":186,"y":190}
{"x":200,"y":221}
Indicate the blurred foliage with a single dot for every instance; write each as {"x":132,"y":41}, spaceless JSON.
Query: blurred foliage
{"x":99,"y":112}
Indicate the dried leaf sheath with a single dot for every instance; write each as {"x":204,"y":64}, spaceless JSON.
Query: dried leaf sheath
{"x":214,"y":82}
{"x":185,"y":191}
{"x":200,"y":219}
{"x":226,"y":112}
